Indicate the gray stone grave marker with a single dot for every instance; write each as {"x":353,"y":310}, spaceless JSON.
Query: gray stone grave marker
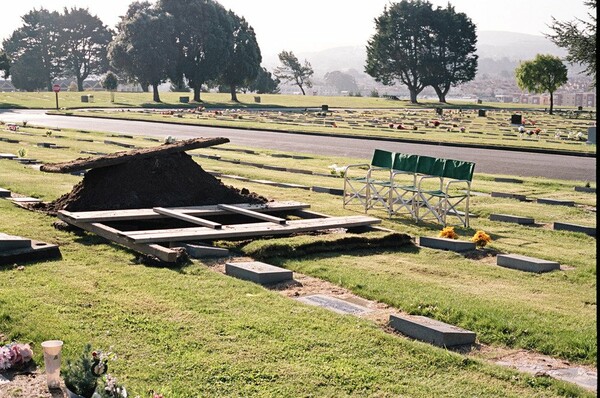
{"x":258,"y":272}
{"x":514,"y":219}
{"x":446,"y":244}
{"x":561,"y":226}
{"x":524,"y":263}
{"x":334,"y":304}
{"x":435,"y":332}
{"x":557,"y":202}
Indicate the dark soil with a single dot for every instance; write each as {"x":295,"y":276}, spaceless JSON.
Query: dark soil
{"x":162,"y":181}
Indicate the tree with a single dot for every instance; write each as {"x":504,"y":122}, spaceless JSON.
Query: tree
{"x":84,"y":40}
{"x":144,"y":47}
{"x":452,"y":59}
{"x":4,"y":64}
{"x":341,"y":81}
{"x":399,"y":50}
{"x":545,"y":73}
{"x":203,"y":40}
{"x":245,"y":57}
{"x":110,"y":83}
{"x":264,"y":83}
{"x":292,"y":71}
{"x":37,"y":40}
{"x":28,"y":72}
{"x":580,"y":42}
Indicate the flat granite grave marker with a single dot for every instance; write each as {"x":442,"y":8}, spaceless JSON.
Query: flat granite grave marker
{"x":429,"y":330}
{"x":335,"y":304}
{"x":561,"y":226}
{"x":7,"y":156}
{"x":4,"y":193}
{"x":585,"y":189}
{"x":33,"y":251}
{"x":510,"y":180}
{"x":258,"y":272}
{"x":9,"y":242}
{"x":522,"y":198}
{"x":514,"y":219}
{"x":524,"y":263}
{"x":556,"y":202}
{"x":446,"y":244}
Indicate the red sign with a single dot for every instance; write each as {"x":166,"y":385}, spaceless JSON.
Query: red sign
{"x":56,"y":88}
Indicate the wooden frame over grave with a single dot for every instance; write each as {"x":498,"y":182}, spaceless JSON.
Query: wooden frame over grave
{"x":149,"y":241}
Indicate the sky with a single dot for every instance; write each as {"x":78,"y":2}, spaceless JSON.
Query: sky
{"x":313,"y":25}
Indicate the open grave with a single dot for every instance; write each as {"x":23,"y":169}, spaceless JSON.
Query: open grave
{"x":153,"y":200}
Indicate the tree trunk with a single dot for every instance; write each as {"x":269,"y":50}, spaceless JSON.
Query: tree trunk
{"x":302,"y":88}
{"x":112,"y":96}
{"x":413,"y":96}
{"x":145,"y":87}
{"x":551,"y":101}
{"x":234,"y":97}
{"x":440,"y":93}
{"x":79,"y":83}
{"x":197,"y":93}
{"x":155,"y":96}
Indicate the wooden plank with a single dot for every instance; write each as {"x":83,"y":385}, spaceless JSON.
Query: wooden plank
{"x":253,"y":214}
{"x":187,"y":217}
{"x":200,"y":211}
{"x":247,"y":230}
{"x":112,"y":234}
{"x":123,"y":157}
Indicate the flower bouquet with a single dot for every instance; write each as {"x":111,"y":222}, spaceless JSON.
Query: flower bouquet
{"x":14,"y":356}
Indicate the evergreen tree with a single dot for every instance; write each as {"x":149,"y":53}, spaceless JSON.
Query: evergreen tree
{"x":291,"y":70}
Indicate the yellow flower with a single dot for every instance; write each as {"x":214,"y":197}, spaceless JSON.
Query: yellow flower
{"x":481,"y":239}
{"x":449,"y":233}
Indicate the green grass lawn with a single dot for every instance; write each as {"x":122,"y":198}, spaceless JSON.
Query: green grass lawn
{"x":190,"y":331}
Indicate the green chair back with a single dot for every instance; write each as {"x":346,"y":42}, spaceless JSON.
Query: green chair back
{"x":431,"y":166}
{"x":459,"y":170}
{"x":405,"y":162}
{"x":381,"y":158}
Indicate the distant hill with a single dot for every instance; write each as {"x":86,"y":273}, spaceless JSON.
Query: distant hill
{"x":497,"y":51}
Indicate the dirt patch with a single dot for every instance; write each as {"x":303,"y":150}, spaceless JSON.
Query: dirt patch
{"x":167,"y":181}
{"x":28,"y":383}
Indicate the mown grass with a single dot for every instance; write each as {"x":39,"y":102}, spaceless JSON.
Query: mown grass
{"x":189,"y":331}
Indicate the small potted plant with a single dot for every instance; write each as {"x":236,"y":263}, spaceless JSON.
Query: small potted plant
{"x":81,"y":375}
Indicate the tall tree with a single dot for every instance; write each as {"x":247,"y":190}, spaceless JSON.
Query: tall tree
{"x":291,"y":70}
{"x":28,"y":72}
{"x":400,"y":48}
{"x":203,"y":40}
{"x":264,"y":83}
{"x":144,"y":47}
{"x":545,"y":73}
{"x":245,"y":57}
{"x":4,"y":64}
{"x":84,"y":40}
{"x":39,"y":39}
{"x":579,"y":38}
{"x":451,"y":59}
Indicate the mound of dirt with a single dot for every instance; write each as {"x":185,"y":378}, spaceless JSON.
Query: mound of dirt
{"x":161,"y":181}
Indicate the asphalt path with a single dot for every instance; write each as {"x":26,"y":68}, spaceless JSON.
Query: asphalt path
{"x":492,"y":161}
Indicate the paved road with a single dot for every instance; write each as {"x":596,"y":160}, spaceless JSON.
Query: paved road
{"x":487,"y":160}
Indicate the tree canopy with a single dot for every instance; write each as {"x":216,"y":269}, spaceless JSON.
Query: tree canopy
{"x":341,"y":81}
{"x":420,"y":46}
{"x":144,"y":47}
{"x":4,"y":64}
{"x":579,"y":38}
{"x":37,"y":42}
{"x":245,"y":56}
{"x":84,"y":40}
{"x":452,"y":59}
{"x":291,"y":70}
{"x":202,"y":38}
{"x":264,"y":83}
{"x":110,"y":83}
{"x":545,"y":73}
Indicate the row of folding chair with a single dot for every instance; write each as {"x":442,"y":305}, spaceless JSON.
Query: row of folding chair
{"x":422,"y":186}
